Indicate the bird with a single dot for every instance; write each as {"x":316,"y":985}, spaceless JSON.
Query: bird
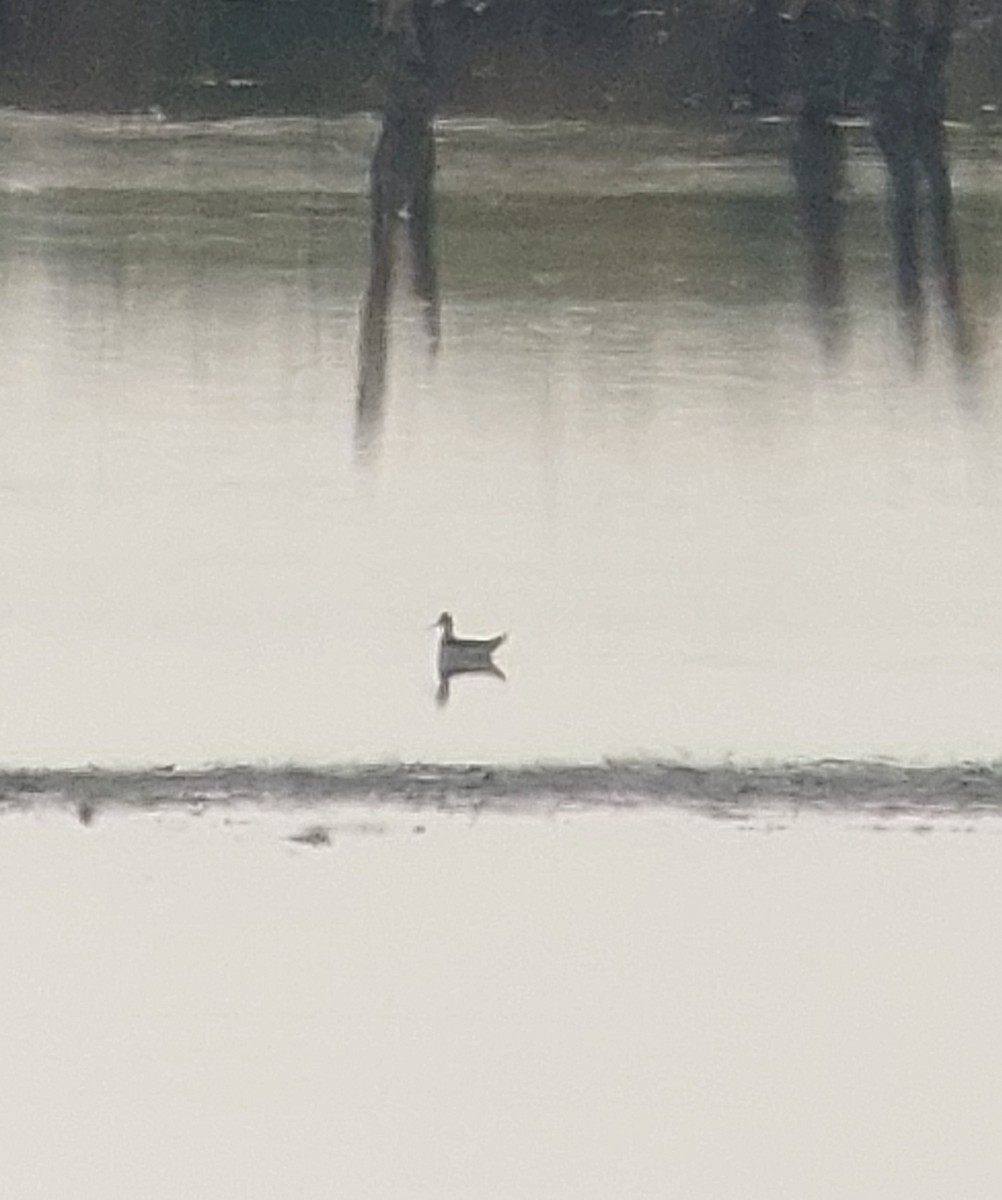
{"x":463,"y":656}
{"x":459,"y":651}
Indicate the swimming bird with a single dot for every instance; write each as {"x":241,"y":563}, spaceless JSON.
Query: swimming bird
{"x":476,"y":650}
{"x":462,"y":656}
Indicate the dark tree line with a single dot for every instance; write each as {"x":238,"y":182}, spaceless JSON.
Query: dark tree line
{"x":630,"y":55}
{"x":134,"y":53}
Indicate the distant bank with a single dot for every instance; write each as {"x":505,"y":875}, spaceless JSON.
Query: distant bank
{"x":213,"y":58}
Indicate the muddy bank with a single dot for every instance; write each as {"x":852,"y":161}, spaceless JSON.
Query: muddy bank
{"x":724,"y":790}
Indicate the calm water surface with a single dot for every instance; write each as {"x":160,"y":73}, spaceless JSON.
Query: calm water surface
{"x":630,"y":454}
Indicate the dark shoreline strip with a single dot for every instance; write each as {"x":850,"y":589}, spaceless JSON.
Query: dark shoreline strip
{"x":876,"y":787}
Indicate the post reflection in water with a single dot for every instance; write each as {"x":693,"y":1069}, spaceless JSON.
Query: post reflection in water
{"x":819,"y":157}
{"x":819,"y":171}
{"x":819,"y":168}
{"x":909,"y":109}
{"x":907,"y":122}
{"x":402,"y":181}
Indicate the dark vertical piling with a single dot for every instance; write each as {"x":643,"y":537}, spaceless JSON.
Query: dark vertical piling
{"x":818,"y":157}
{"x":401,"y":198}
{"x":909,"y":108}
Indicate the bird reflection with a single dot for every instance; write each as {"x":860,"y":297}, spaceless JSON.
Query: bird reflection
{"x":463,"y":656}
{"x":445,"y":675}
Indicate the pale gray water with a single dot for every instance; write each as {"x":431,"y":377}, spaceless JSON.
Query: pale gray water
{"x":574,"y":1008}
{"x":629,"y":454}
